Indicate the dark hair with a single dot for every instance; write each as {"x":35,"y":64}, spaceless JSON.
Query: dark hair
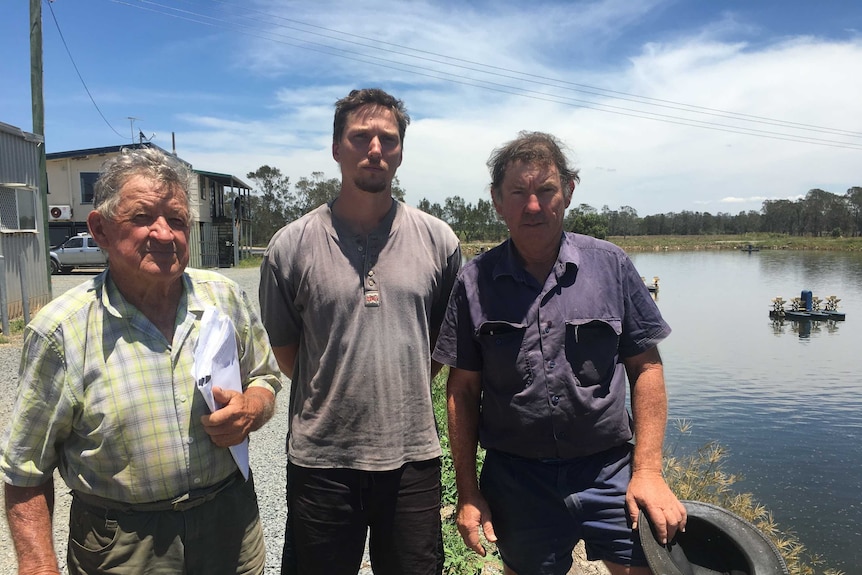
{"x":149,"y":162}
{"x":531,"y":147}
{"x":368,"y":96}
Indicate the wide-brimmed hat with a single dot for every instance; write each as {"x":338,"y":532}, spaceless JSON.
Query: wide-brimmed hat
{"x":715,"y":542}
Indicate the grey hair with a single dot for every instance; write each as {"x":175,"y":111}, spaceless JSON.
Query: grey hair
{"x":531,"y":147}
{"x":149,"y":162}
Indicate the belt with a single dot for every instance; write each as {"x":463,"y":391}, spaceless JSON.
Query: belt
{"x":186,"y":501}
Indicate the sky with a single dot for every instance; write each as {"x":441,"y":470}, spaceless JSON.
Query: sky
{"x":663,"y":105}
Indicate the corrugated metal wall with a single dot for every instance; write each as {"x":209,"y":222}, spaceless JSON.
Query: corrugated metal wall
{"x":24,"y":253}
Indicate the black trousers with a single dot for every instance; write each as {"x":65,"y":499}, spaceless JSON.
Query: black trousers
{"x":330,"y":512}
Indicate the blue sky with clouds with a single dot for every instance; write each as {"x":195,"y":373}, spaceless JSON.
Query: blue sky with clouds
{"x":666,"y":105}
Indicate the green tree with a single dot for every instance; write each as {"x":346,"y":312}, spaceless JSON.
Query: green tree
{"x":455,"y":214}
{"x":782,"y":217}
{"x":584,"y":219}
{"x":397,"y":191}
{"x":814,"y":208}
{"x":270,"y":201}
{"x":313,"y":192}
{"x":854,"y":204}
{"x":434,"y":209}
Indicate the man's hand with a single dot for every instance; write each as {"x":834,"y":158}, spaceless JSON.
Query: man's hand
{"x":241,"y":414}
{"x":648,"y":491}
{"x":471,"y":515}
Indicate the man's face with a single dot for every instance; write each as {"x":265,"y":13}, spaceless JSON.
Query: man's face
{"x":369,"y":151}
{"x":147,"y":240}
{"x":532,"y":202}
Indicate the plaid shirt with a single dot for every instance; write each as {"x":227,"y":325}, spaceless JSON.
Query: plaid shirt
{"x":104,"y":396}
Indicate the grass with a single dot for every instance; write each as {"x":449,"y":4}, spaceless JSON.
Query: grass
{"x":250,"y":262}
{"x":715,"y":242}
{"x":16,"y":327}
{"x":459,"y":560}
{"x":699,"y":476}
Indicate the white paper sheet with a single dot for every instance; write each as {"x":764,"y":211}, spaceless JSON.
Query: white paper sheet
{"x":217,"y":364}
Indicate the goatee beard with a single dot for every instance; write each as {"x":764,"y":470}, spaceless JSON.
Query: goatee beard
{"x":372,"y":187}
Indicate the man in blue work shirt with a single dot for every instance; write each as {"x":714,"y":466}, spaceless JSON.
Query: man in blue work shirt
{"x":540,"y":334}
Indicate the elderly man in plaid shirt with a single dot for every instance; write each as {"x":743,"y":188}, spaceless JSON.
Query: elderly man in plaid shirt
{"x":106,"y":395}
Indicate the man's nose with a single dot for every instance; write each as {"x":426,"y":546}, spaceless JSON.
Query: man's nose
{"x":161,"y":229}
{"x":533,"y":204}
{"x":375,"y":148}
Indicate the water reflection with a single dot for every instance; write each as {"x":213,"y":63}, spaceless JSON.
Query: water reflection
{"x":804,"y":328}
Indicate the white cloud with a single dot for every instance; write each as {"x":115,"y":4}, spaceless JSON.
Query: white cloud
{"x":654,"y":165}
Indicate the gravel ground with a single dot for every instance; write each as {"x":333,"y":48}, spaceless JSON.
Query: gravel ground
{"x":266,"y":454}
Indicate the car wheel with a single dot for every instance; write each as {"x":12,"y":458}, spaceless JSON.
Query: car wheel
{"x":55,"y":267}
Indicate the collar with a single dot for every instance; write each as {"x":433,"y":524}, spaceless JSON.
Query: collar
{"x":387,"y":225}
{"x":509,"y":263}
{"x":117,"y":305}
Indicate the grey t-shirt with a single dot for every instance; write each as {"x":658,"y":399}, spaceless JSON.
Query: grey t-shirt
{"x":362,"y":311}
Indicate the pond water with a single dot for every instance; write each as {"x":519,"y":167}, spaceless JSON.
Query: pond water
{"x":784,"y":398}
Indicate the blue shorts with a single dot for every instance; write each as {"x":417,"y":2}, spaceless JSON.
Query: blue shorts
{"x":541,"y":509}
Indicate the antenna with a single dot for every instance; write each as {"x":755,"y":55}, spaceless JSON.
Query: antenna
{"x":132,"y":126}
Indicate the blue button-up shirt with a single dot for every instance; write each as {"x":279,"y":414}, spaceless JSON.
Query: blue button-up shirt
{"x":552,"y":382}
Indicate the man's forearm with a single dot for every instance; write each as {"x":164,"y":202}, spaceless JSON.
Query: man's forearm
{"x":649,"y":414}
{"x":463,"y":413}
{"x":29,"y":512}
{"x":649,"y":408}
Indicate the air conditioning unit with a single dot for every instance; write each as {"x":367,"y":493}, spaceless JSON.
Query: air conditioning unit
{"x":59,"y":213}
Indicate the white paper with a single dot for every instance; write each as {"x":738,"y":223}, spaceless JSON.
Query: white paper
{"x":217,"y":364}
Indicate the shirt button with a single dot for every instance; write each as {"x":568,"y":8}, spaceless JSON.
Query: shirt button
{"x":190,"y":440}
{"x":361,"y":249}
{"x":183,"y":399}
{"x":370,"y":273}
{"x":547,"y":330}
{"x":197,"y":480}
{"x":555,"y":400}
{"x":552,"y":364}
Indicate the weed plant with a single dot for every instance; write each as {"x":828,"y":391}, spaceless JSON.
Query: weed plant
{"x":700,"y":476}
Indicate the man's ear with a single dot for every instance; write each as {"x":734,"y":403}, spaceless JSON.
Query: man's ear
{"x":496,"y":203}
{"x":96,"y":224}
{"x":571,"y":186}
{"x":335,"y":151}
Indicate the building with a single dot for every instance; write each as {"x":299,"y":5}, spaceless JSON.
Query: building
{"x":24,"y":280}
{"x":220,"y":231}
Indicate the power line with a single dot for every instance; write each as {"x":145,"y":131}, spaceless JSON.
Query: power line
{"x":78,"y":72}
{"x":593,"y":90}
{"x":352,"y":54}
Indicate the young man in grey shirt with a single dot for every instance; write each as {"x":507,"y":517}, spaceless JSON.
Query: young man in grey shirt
{"x":352,"y":295}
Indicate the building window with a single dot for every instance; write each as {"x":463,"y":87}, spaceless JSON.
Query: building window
{"x":17,"y":210}
{"x":88,"y":181}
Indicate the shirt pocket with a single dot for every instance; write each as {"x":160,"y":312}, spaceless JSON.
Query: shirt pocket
{"x":592,"y":349}
{"x":504,"y":363}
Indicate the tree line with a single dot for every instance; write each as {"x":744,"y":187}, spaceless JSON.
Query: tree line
{"x":819,"y":213}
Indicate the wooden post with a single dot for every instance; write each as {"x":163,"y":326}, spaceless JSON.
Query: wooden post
{"x":38,"y":102}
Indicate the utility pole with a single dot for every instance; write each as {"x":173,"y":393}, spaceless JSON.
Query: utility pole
{"x":37,"y":98}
